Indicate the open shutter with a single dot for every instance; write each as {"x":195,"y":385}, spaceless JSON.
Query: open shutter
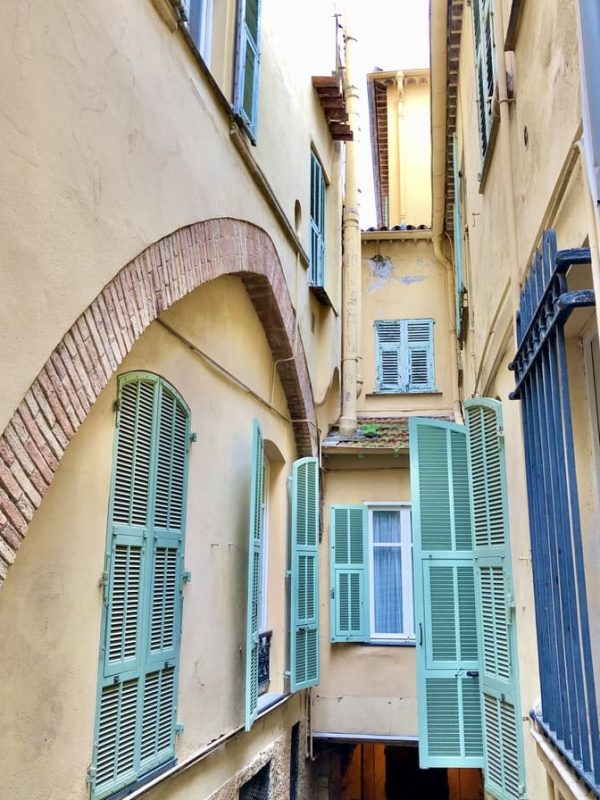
{"x":448,"y":693}
{"x":304,"y":625}
{"x":391,"y":374}
{"x":484,"y":67}
{"x":458,"y":240}
{"x":247,"y":64}
{"x":499,"y":682}
{"x":163,"y":620}
{"x":254,"y":555}
{"x":348,"y":568}
{"x":419,"y":354}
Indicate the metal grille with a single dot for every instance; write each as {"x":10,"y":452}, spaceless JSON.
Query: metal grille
{"x":257,"y":788}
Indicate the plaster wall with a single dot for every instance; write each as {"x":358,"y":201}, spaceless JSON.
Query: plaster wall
{"x":402,"y":279}
{"x":364,"y":689}
{"x":110,"y":119}
{"x":51,"y":603}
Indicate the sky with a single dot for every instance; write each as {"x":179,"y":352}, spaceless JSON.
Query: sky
{"x":392,"y":34}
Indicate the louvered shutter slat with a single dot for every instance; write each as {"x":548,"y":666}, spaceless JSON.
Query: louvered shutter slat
{"x":447,"y":648}
{"x":304,"y":586}
{"x":389,"y":358}
{"x":499,"y":680}
{"x":348,"y":574}
{"x":255,"y":532}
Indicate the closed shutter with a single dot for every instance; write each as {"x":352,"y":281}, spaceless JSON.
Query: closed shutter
{"x":317,"y":223}
{"x":247,"y":64}
{"x":135,"y":725}
{"x":391,"y":374}
{"x":458,"y":240}
{"x":304,"y":626}
{"x":448,"y":694}
{"x":254,"y":557}
{"x":348,"y":569}
{"x":419,"y":354}
{"x":499,"y":681}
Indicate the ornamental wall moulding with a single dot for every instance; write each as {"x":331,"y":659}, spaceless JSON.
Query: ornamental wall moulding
{"x":89,"y":354}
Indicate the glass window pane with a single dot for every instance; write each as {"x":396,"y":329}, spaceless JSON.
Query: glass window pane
{"x":386,"y":527}
{"x":387,"y":579}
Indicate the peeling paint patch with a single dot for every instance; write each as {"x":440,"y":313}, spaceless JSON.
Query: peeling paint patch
{"x":382,"y":273}
{"x":411,"y":279}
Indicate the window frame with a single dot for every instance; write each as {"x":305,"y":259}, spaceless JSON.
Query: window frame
{"x":317,"y":222}
{"x":199,"y":25}
{"x":243,"y":41}
{"x":405,"y":545}
{"x":482,"y":55}
{"x":403,"y":348}
{"x":263,"y":605}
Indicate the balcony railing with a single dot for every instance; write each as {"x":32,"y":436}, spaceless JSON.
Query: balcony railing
{"x":264,"y":655}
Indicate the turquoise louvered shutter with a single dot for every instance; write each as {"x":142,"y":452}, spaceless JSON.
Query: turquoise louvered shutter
{"x":391,"y":368}
{"x":247,"y":62}
{"x":448,"y":694}
{"x":135,"y":721}
{"x":419,"y":354}
{"x":485,"y":67}
{"x":255,"y":528}
{"x":317,"y":223}
{"x":304,"y":586}
{"x":458,"y":240}
{"x":503,"y":746}
{"x":348,"y":570}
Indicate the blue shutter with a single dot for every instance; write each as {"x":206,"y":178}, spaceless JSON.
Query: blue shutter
{"x":317,"y":223}
{"x":348,"y":571}
{"x":503,"y":747}
{"x":247,"y":63}
{"x":141,"y":625}
{"x":391,"y":366}
{"x":304,"y":588}
{"x":458,"y":240}
{"x":485,"y":67}
{"x":254,"y":557}
{"x":448,"y":694}
{"x":419,"y":355}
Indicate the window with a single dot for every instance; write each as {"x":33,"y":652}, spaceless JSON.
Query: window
{"x":294,"y":758}
{"x":569,"y":713}
{"x":404,"y":355}
{"x":247,"y":63}
{"x":199,"y":24}
{"x":304,"y":577}
{"x":371,"y":574}
{"x":485,"y":68}
{"x":390,"y":565}
{"x":316,"y":270}
{"x":459,"y":280}
{"x":141,"y":624}
{"x":257,"y":788}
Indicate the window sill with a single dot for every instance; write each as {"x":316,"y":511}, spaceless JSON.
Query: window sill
{"x":386,"y":393}
{"x":389,"y":643}
{"x":320,"y":294}
{"x":141,"y":782}
{"x":268,"y":701}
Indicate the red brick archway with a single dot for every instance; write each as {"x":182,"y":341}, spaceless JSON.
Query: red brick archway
{"x":81,"y":365}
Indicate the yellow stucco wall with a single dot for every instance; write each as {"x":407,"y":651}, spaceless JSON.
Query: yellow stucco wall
{"x":51,"y":603}
{"x":402,"y":279}
{"x":364,"y":689}
{"x":114,"y":140}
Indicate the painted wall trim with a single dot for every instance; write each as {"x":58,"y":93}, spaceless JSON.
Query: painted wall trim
{"x":90,"y":352}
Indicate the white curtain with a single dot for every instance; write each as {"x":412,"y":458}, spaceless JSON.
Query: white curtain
{"x":387,"y":569}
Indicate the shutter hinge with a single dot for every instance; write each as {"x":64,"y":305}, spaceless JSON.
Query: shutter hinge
{"x":288,"y":574}
{"x":186,"y":577}
{"x":103,"y":583}
{"x":332,"y":594}
{"x":287,"y":674}
{"x":179,"y":728}
{"x":91,"y":775}
{"x":501,"y":438}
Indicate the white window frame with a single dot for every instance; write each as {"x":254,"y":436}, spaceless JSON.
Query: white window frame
{"x":406,"y":546}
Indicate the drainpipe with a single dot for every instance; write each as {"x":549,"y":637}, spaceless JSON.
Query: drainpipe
{"x":351,"y":275}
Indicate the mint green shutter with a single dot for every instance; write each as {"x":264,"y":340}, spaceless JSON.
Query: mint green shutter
{"x":458,"y":240}
{"x":304,"y":588}
{"x":419,"y":355}
{"x":448,"y":693}
{"x":348,"y":570}
{"x":135,"y":721}
{"x":503,"y":745}
{"x":255,"y":529}
{"x":391,"y":369}
{"x":247,"y":62}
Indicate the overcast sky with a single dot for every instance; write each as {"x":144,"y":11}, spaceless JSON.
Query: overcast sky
{"x":392,"y":34}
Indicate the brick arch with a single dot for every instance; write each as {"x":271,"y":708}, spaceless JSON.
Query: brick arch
{"x":83,"y":362}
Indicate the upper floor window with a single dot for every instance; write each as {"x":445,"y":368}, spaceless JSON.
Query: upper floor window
{"x":404,"y":355}
{"x":485,"y":68}
{"x":141,"y":623}
{"x":247,"y":62}
{"x":199,"y":24}
{"x":316,"y":274}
